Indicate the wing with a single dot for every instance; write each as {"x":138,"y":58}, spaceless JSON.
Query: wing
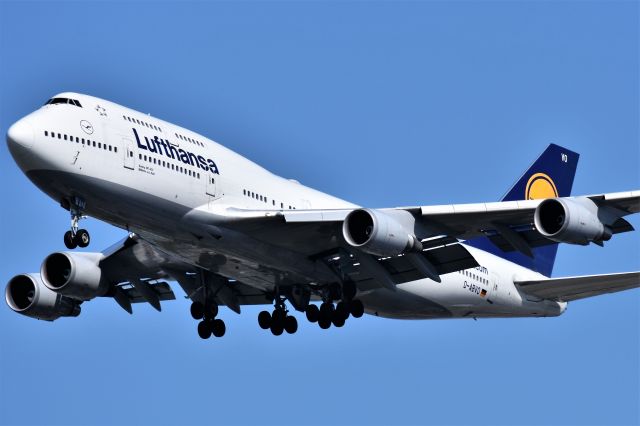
{"x":137,"y":271}
{"x":487,"y":219}
{"x":508,"y":224}
{"x":574,"y":288}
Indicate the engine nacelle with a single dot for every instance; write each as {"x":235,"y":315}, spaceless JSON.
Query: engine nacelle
{"x":573,"y":221}
{"x":381,"y":233}
{"x":76,"y":275}
{"x":27,"y":295}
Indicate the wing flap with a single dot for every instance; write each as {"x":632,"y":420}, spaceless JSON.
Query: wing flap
{"x":574,"y":288}
{"x":162,"y":290}
{"x":445,"y":258}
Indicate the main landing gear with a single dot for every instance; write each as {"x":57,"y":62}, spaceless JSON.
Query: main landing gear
{"x":328,"y":313}
{"x":279,"y":320}
{"x":337,"y":315}
{"x":210,"y":325}
{"x":76,"y":237}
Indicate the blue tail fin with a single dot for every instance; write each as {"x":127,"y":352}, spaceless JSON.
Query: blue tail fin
{"x":551,"y":175}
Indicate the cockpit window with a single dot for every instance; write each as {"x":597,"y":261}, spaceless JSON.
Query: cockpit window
{"x":54,"y":101}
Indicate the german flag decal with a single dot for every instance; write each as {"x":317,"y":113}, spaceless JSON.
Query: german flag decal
{"x":483,"y":293}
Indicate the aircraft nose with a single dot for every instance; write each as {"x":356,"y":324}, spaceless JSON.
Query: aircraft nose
{"x":20,"y":134}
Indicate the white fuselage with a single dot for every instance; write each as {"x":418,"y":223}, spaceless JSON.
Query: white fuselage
{"x":150,"y":177}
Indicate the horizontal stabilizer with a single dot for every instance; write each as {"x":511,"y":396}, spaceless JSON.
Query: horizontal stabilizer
{"x":574,"y":288}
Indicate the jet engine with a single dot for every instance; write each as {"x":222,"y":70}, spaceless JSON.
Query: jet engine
{"x":27,"y":295}
{"x":76,"y":275}
{"x":573,"y":221}
{"x":381,"y":233}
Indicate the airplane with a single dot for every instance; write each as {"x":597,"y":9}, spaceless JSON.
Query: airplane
{"x":230,"y":233}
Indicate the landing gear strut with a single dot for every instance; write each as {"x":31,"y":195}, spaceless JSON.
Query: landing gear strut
{"x":76,"y":237}
{"x":279,"y":320}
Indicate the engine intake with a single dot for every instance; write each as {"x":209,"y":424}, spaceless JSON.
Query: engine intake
{"x":382,"y":234}
{"x":76,"y":275}
{"x":573,"y":221}
{"x":27,"y":295}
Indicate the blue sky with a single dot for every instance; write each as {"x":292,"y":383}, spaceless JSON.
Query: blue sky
{"x":380,"y":103}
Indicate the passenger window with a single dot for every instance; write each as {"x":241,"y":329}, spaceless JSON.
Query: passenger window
{"x":65,"y":137}
{"x":46,"y":133}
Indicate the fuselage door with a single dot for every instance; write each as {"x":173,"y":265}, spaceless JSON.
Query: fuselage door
{"x":212,"y":185}
{"x":494,"y":289}
{"x":129,"y":154}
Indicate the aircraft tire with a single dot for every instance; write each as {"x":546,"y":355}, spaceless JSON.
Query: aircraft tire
{"x":342,"y":311}
{"x":276,"y":329}
{"x":69,"y":241}
{"x":290,"y":324}
{"x":357,"y":308}
{"x":197,"y":311}
{"x":277,"y":317}
{"x":82,"y":238}
{"x":218,"y":327}
{"x":338,"y":321}
{"x":204,"y":329}
{"x":324,"y":323}
{"x":264,"y":320}
{"x":312,"y":312}
{"x":326,"y":310}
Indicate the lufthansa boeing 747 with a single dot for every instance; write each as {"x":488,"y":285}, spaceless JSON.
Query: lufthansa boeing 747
{"x":230,"y":233}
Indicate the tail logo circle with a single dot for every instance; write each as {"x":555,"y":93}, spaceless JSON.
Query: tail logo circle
{"x":540,"y":186}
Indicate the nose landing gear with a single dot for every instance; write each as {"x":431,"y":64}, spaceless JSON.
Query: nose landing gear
{"x":76,"y":237}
